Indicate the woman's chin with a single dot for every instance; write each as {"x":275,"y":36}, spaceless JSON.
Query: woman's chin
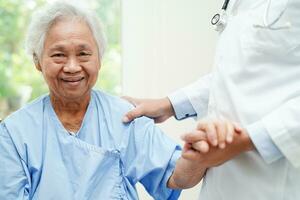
{"x":74,"y":94}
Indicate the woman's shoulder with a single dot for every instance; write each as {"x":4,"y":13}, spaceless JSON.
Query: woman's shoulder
{"x":112,"y":102}
{"x":30,"y":112}
{"x":117,"y":107}
{"x":25,"y":125}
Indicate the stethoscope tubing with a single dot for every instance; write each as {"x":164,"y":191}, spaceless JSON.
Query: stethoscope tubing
{"x":225,"y":4}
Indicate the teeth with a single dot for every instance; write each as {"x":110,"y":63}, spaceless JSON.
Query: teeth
{"x":72,"y":80}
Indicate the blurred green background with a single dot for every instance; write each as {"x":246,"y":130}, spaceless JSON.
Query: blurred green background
{"x":20,"y":82}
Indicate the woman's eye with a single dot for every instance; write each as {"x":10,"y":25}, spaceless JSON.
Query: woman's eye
{"x":58,"y":55}
{"x":84,"y":54}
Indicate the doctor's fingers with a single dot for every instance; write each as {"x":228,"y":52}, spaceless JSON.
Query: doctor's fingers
{"x":230,"y":132}
{"x":222,"y":131}
{"x":134,"y":113}
{"x":133,"y":101}
{"x":209,"y":128}
{"x":232,"y":128}
{"x":237,"y":127}
{"x":194,"y":136}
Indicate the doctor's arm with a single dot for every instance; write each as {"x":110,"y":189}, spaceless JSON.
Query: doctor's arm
{"x":13,"y":180}
{"x":187,"y":102}
{"x":276,"y":135}
{"x":281,"y":133}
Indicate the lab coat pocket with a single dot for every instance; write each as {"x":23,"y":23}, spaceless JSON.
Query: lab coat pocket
{"x":272,"y":16}
{"x":270,"y":35}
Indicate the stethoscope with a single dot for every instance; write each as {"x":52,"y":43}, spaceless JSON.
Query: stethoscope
{"x":219,"y":20}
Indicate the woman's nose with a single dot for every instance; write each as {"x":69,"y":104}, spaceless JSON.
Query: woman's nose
{"x":72,"y":66}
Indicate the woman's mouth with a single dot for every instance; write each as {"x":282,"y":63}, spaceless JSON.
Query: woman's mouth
{"x":72,"y":81}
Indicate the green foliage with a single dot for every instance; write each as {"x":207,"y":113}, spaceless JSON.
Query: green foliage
{"x":17,"y":69}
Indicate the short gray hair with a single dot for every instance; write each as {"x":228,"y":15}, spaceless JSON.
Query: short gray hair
{"x":44,"y":18}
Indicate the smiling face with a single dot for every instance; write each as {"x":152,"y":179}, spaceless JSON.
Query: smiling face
{"x":70,"y":61}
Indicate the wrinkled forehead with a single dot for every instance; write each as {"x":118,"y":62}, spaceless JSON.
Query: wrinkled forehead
{"x":69,"y":30}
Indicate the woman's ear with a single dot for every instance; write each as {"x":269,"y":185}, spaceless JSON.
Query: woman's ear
{"x":36,"y":62}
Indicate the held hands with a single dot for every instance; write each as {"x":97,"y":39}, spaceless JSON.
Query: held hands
{"x":215,"y":141}
{"x":211,"y":144}
{"x":215,"y":133}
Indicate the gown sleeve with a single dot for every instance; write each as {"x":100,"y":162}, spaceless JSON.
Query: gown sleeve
{"x":14,"y":183}
{"x":150,"y":158}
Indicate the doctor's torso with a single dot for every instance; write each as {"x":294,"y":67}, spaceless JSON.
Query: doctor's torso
{"x":256,"y":64}
{"x":257,"y":69}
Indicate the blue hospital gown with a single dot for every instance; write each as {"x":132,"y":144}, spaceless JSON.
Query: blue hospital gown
{"x":40,"y":160}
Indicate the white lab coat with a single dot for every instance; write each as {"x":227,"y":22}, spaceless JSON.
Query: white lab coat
{"x":256,"y":82}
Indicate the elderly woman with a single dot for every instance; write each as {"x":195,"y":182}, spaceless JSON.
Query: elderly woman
{"x":72,"y":144}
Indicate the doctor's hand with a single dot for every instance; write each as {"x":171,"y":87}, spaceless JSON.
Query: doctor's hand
{"x":198,"y":154}
{"x":215,"y":156}
{"x":212,"y":133}
{"x":219,"y":132}
{"x":158,"y":109}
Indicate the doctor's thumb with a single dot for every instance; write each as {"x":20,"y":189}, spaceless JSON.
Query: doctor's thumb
{"x":131,"y":115}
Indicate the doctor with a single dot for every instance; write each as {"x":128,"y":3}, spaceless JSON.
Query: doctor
{"x":255,"y":82}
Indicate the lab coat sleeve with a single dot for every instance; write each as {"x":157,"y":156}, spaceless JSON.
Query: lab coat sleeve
{"x":192,"y":100}
{"x":264,"y":143}
{"x":283,"y":126}
{"x":14,"y":183}
{"x":182,"y":106}
{"x":150,"y":158}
